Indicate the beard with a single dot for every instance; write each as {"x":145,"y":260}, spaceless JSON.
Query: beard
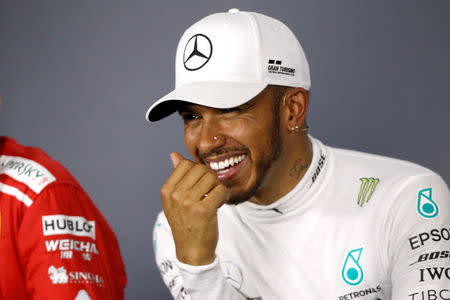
{"x":265,"y":163}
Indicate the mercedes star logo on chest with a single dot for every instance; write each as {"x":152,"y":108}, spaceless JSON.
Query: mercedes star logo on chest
{"x":197,"y":52}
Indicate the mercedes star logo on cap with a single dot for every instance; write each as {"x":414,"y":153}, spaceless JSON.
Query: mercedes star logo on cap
{"x":197,"y":52}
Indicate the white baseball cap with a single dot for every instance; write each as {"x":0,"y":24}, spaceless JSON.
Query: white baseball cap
{"x":226,"y":59}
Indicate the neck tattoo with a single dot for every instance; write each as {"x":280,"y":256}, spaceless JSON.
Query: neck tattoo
{"x":297,"y":169}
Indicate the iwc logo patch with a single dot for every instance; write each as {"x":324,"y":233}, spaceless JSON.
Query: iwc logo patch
{"x":197,"y":52}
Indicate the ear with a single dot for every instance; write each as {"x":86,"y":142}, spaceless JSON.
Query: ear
{"x":295,"y":107}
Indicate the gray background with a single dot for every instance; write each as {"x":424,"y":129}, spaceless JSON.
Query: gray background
{"x":77,"y":77}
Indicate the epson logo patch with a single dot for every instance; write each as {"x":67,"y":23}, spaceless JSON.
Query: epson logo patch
{"x":73,"y":225}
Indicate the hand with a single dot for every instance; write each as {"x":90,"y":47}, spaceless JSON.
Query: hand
{"x":191,"y":197}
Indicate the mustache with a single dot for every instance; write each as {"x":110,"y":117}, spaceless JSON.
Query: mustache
{"x":221,"y":151}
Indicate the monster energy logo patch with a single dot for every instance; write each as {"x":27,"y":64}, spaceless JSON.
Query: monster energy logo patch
{"x":368,"y":186}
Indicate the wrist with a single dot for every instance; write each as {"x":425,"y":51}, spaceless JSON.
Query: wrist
{"x":196,"y":259}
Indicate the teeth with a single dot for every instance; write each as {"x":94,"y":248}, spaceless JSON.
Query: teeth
{"x":217,"y":166}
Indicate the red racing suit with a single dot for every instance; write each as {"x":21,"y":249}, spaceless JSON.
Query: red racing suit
{"x":54,"y":242}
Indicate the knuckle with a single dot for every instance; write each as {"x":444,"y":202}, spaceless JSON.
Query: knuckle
{"x":165,"y":191}
{"x":176,"y":195}
{"x":186,"y":203}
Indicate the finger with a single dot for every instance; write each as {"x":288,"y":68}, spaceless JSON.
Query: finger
{"x":204,"y":185}
{"x":217,"y":197}
{"x":182,"y":168}
{"x":188,"y":183}
{"x":176,"y":158}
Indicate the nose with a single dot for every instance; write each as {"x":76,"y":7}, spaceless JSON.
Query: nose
{"x":210,"y":136}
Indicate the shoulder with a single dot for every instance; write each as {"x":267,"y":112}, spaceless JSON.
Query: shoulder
{"x":402,"y":189}
{"x":350,"y":163}
{"x":368,"y":161}
{"x":384,"y":181}
{"x":29,"y":169}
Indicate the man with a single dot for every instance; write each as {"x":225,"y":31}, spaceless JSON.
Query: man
{"x":54,"y":243}
{"x":268,"y":212}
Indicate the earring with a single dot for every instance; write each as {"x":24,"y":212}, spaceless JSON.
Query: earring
{"x":215,"y":138}
{"x":294,"y":130}
{"x":297,"y":130}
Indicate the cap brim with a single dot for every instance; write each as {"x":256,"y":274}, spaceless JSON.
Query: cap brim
{"x":216,"y":94}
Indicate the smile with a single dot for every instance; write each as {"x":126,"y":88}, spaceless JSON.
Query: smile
{"x":227,"y":168}
{"x":224,"y":164}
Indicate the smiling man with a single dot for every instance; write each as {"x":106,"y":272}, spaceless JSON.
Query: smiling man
{"x":265,"y":211}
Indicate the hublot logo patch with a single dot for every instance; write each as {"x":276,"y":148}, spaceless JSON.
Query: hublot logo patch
{"x":73,"y":225}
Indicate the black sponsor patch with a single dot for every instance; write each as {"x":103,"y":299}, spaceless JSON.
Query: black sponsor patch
{"x":431,"y":295}
{"x":430,"y":256}
{"x":361,"y":293}
{"x":319,"y":167}
{"x":276,"y":67}
{"x":165,"y":267}
{"x":434,"y":235}
{"x":434,"y":273}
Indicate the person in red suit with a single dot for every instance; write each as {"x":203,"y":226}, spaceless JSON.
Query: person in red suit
{"x":54,"y":242}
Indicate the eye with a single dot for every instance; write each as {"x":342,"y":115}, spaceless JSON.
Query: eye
{"x":188,"y":116}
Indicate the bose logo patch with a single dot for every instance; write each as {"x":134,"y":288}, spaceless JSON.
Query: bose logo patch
{"x":61,"y":224}
{"x":27,"y":171}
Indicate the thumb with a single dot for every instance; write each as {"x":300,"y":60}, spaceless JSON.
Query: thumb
{"x":176,"y":158}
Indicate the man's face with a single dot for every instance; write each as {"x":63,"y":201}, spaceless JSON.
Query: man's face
{"x":239,"y":144}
